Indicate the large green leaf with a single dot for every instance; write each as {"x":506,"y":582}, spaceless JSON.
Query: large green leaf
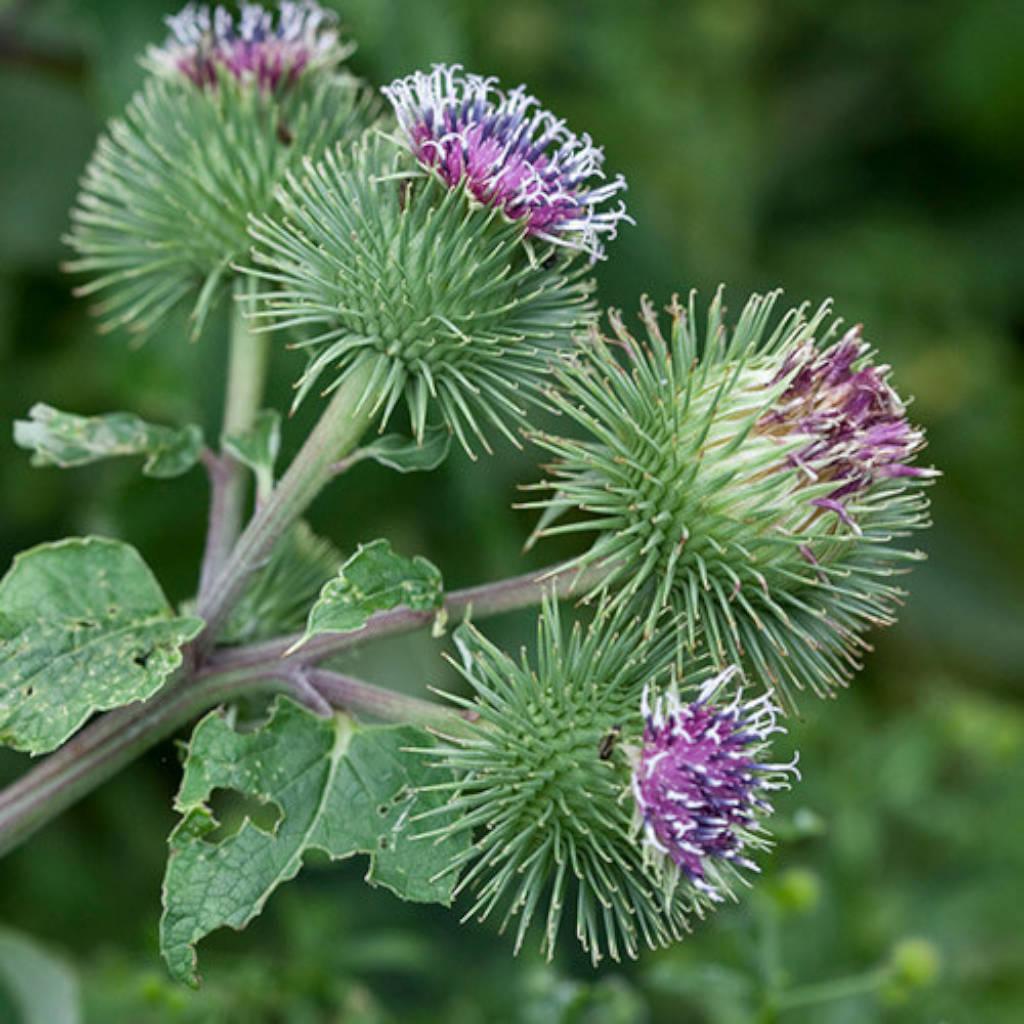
{"x":84,"y":626}
{"x":334,"y":786}
{"x":42,"y":988}
{"x":65,"y":439}
{"x":374,"y":579}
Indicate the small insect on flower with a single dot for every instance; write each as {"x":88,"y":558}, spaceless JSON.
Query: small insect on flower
{"x":606,"y":747}
{"x":511,"y":154}
{"x":701,"y":785}
{"x":252,"y":47}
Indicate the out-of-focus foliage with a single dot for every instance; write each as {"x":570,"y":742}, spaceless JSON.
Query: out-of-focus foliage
{"x":869,"y":151}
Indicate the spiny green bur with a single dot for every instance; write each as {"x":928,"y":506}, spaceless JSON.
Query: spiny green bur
{"x":166,"y":198}
{"x":697,"y":510}
{"x":381,"y":262}
{"x":543,"y":783}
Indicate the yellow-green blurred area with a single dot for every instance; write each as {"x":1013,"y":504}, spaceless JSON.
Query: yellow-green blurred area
{"x":870,"y":151}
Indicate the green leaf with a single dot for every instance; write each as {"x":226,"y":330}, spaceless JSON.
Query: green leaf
{"x":84,"y":626}
{"x":374,"y":579}
{"x":336,"y":787}
{"x":65,"y":439}
{"x":41,"y":987}
{"x":258,"y":448}
{"x":280,"y":594}
{"x":406,"y":455}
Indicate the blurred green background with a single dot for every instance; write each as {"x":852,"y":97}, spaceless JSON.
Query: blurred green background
{"x":870,"y":151}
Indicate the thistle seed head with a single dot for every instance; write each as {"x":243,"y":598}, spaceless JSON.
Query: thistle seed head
{"x":376,"y":260}
{"x":510,"y":154}
{"x":255,"y":47}
{"x":754,"y":480}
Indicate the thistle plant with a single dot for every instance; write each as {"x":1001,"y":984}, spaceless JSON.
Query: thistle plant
{"x":742,"y":492}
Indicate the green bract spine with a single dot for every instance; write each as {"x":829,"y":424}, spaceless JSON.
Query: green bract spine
{"x":375,"y":257}
{"x":700,"y":503}
{"x":165,"y":200}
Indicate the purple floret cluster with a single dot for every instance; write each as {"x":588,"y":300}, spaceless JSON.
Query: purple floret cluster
{"x":699,"y":783}
{"x":511,"y":154}
{"x":254,"y":46}
{"x":857,"y":429}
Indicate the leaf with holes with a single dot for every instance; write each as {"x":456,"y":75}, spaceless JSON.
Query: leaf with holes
{"x":84,"y":626}
{"x":374,"y":579}
{"x":64,"y":439}
{"x":334,"y":786}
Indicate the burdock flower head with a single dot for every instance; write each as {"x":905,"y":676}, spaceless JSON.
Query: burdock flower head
{"x":587,"y":797}
{"x":753,"y":479}
{"x":232,"y":103}
{"x":254,"y":46}
{"x":509,"y":153}
{"x":386,"y":268}
{"x":701,"y":783}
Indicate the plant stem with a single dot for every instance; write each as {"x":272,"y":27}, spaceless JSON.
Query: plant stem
{"x":338,"y":431}
{"x":342,"y":691}
{"x":248,"y":356}
{"x":111,"y":742}
{"x":829,"y":991}
{"x":482,"y":601}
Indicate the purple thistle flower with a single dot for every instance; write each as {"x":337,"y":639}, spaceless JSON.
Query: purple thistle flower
{"x":699,"y":783}
{"x":511,"y":153}
{"x":255,"y":46}
{"x":856,"y":424}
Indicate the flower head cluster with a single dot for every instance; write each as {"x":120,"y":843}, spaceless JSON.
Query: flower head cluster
{"x":253,"y":47}
{"x":855,"y":423}
{"x":511,"y":153}
{"x":699,"y":782}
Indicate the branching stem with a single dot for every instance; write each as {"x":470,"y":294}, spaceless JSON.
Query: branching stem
{"x":115,"y":739}
{"x":207,"y":676}
{"x":338,"y":431}
{"x":525,"y":591}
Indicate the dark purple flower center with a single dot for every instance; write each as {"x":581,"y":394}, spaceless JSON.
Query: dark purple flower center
{"x":510,"y":154}
{"x":254,"y":47}
{"x":699,"y":784}
{"x":856,"y":426}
